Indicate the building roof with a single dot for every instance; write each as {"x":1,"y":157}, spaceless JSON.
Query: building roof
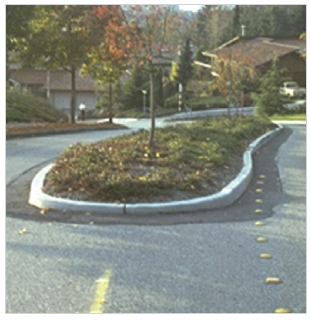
{"x":59,"y":79}
{"x":259,"y":49}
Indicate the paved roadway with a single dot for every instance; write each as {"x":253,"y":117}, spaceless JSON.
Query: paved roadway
{"x":210,"y":265}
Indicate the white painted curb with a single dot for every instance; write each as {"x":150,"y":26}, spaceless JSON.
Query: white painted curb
{"x":227,"y":196}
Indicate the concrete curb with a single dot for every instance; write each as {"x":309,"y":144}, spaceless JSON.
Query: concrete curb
{"x":227,"y":196}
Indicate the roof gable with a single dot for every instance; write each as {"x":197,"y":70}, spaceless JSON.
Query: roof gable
{"x":259,"y":50}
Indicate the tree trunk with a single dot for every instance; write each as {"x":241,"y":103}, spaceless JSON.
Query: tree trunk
{"x":152,"y":130}
{"x":73,"y":96}
{"x":110,"y":103}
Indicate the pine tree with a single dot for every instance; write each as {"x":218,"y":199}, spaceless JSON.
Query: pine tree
{"x":159,"y":101}
{"x":269,"y":101}
{"x":133,"y":97}
{"x":236,"y":21}
{"x":185,"y":66}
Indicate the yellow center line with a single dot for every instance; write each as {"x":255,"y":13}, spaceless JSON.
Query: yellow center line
{"x":102,"y":289}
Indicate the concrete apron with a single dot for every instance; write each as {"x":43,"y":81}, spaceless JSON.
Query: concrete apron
{"x":227,"y":196}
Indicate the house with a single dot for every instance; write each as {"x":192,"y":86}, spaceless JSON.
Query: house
{"x":56,"y":85}
{"x":260,"y":52}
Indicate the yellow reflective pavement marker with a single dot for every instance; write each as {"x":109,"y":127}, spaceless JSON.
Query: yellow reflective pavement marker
{"x":259,"y":211}
{"x":259,"y":224}
{"x":261,"y":239}
{"x":102,"y":289}
{"x":22,"y":231}
{"x":265,"y":256}
{"x":282,"y":310}
{"x":272,"y":280}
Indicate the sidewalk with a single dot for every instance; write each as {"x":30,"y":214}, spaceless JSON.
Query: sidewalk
{"x":290,"y":122}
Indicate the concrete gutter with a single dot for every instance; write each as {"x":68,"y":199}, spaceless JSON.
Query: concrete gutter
{"x":227,"y":196}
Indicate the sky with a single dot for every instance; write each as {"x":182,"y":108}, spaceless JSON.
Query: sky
{"x":189,"y":7}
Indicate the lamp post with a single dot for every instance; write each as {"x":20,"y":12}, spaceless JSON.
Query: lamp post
{"x":144,"y":92}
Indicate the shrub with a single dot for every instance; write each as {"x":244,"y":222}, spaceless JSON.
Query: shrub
{"x":126,"y":169}
{"x":25,"y":107}
{"x":172,"y":101}
{"x":206,"y":102}
{"x":198,"y":103}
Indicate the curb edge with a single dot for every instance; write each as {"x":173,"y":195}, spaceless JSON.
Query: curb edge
{"x":227,"y":196}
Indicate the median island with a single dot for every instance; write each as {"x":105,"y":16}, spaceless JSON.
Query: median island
{"x":186,"y":161}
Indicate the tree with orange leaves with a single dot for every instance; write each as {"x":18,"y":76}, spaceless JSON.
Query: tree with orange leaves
{"x":233,"y":72}
{"x":117,"y":43}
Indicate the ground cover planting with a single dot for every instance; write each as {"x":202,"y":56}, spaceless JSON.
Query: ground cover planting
{"x":186,"y":161}
{"x":26,"y":107}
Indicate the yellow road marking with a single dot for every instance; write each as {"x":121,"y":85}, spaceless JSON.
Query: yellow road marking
{"x":102,"y":289}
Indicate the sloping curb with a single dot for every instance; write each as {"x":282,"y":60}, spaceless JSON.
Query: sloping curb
{"x":227,"y":196}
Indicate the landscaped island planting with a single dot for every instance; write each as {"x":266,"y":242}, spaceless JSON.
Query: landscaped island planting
{"x":186,"y":161}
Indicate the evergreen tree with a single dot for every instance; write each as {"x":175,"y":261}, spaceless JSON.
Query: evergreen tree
{"x":268,"y":100}
{"x":185,"y":65}
{"x":273,"y":20}
{"x":158,"y":90}
{"x":298,"y":18}
{"x":184,"y":70}
{"x":133,"y":97}
{"x":236,"y":22}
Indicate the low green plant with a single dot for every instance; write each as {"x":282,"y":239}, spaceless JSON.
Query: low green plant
{"x":126,"y":169}
{"x":198,"y":103}
{"x":25,"y":107}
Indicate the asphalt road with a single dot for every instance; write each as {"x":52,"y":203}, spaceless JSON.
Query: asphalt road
{"x":201,"y":263}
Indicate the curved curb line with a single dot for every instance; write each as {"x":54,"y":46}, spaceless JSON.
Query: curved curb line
{"x":227,"y":196}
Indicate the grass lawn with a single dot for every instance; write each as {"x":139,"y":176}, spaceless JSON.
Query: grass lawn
{"x":289,"y":117}
{"x":187,"y":160}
